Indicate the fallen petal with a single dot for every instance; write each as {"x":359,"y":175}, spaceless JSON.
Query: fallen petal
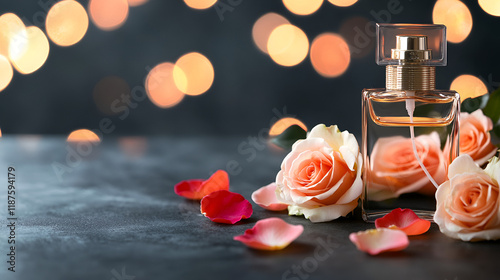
{"x":405,"y":220}
{"x":375,"y":241}
{"x":189,"y":188}
{"x":270,"y":234}
{"x":196,"y":189}
{"x":225,"y":207}
{"x":265,"y":197}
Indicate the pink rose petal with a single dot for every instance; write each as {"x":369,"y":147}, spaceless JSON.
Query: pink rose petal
{"x":196,"y":189}
{"x":405,"y":220}
{"x":375,"y":241}
{"x":270,"y":234}
{"x":226,"y":207}
{"x":265,"y":197}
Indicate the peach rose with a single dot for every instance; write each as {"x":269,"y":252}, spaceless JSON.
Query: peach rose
{"x":468,"y":205}
{"x":321,"y":177}
{"x":475,"y":139}
{"x":394,"y":169}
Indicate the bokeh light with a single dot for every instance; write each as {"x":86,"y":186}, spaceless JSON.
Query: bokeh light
{"x":343,"y":3}
{"x":135,"y":3}
{"x":83,"y":135}
{"x":468,"y":86}
{"x":133,"y":146}
{"x":37,"y":51}
{"x":288,"y":45}
{"x":193,"y":74}
{"x":457,"y":18}
{"x":302,"y":7}
{"x":66,"y":23}
{"x":263,"y":28}
{"x":492,"y":7}
{"x":108,"y":14}
{"x":161,"y":88}
{"x":111,"y":95}
{"x":359,"y":34}
{"x":330,"y":55}
{"x":29,"y":144}
{"x":284,"y":123}
{"x":13,"y":37}
{"x":6,"y":72}
{"x":200,"y":4}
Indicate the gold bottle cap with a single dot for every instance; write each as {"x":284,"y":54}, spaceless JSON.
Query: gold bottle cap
{"x":411,"y":48}
{"x":410,"y":74}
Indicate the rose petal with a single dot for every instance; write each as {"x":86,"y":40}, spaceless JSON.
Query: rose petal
{"x":189,"y":188}
{"x":265,"y":197}
{"x":270,"y":234}
{"x":405,"y":220}
{"x":375,"y":241}
{"x":196,"y":189}
{"x":226,"y":207}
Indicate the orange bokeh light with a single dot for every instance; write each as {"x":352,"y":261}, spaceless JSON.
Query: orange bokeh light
{"x":492,"y":7}
{"x":457,"y":18}
{"x":193,"y":74}
{"x":264,"y":26}
{"x":111,"y":95}
{"x":13,"y":37}
{"x":66,"y":23}
{"x":135,"y":3}
{"x":83,"y":135}
{"x":133,"y":146}
{"x":108,"y":14}
{"x":288,"y":45}
{"x":161,"y":88}
{"x":200,"y":4}
{"x":302,"y":7}
{"x":37,"y":51}
{"x":330,"y":55}
{"x":284,"y":123}
{"x":343,"y":3}
{"x":6,"y":72}
{"x":468,"y":86}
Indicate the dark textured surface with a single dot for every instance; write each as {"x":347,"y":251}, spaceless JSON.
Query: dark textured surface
{"x":116,"y":215}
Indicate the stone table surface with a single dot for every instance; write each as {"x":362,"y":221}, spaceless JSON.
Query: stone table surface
{"x":108,"y":211}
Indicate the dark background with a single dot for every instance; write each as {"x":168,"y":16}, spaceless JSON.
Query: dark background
{"x":57,"y":98}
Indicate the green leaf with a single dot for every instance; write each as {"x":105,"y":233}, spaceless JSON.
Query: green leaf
{"x":470,"y":105}
{"x":495,"y":135}
{"x":492,"y":108}
{"x":286,"y":139}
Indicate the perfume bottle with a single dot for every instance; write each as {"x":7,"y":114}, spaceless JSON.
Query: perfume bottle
{"x":410,"y":129}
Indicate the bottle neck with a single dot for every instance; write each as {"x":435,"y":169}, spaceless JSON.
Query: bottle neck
{"x":410,"y":77}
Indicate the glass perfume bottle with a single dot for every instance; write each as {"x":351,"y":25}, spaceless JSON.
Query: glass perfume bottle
{"x":410,"y":129}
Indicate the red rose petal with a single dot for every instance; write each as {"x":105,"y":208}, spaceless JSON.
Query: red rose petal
{"x":375,"y":241}
{"x":226,"y":207}
{"x":189,"y":188}
{"x":405,"y":220}
{"x":270,"y":234}
{"x":197,"y":188}
{"x":265,"y":197}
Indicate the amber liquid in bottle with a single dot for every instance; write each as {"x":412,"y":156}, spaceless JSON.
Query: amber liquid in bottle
{"x":392,"y":175}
